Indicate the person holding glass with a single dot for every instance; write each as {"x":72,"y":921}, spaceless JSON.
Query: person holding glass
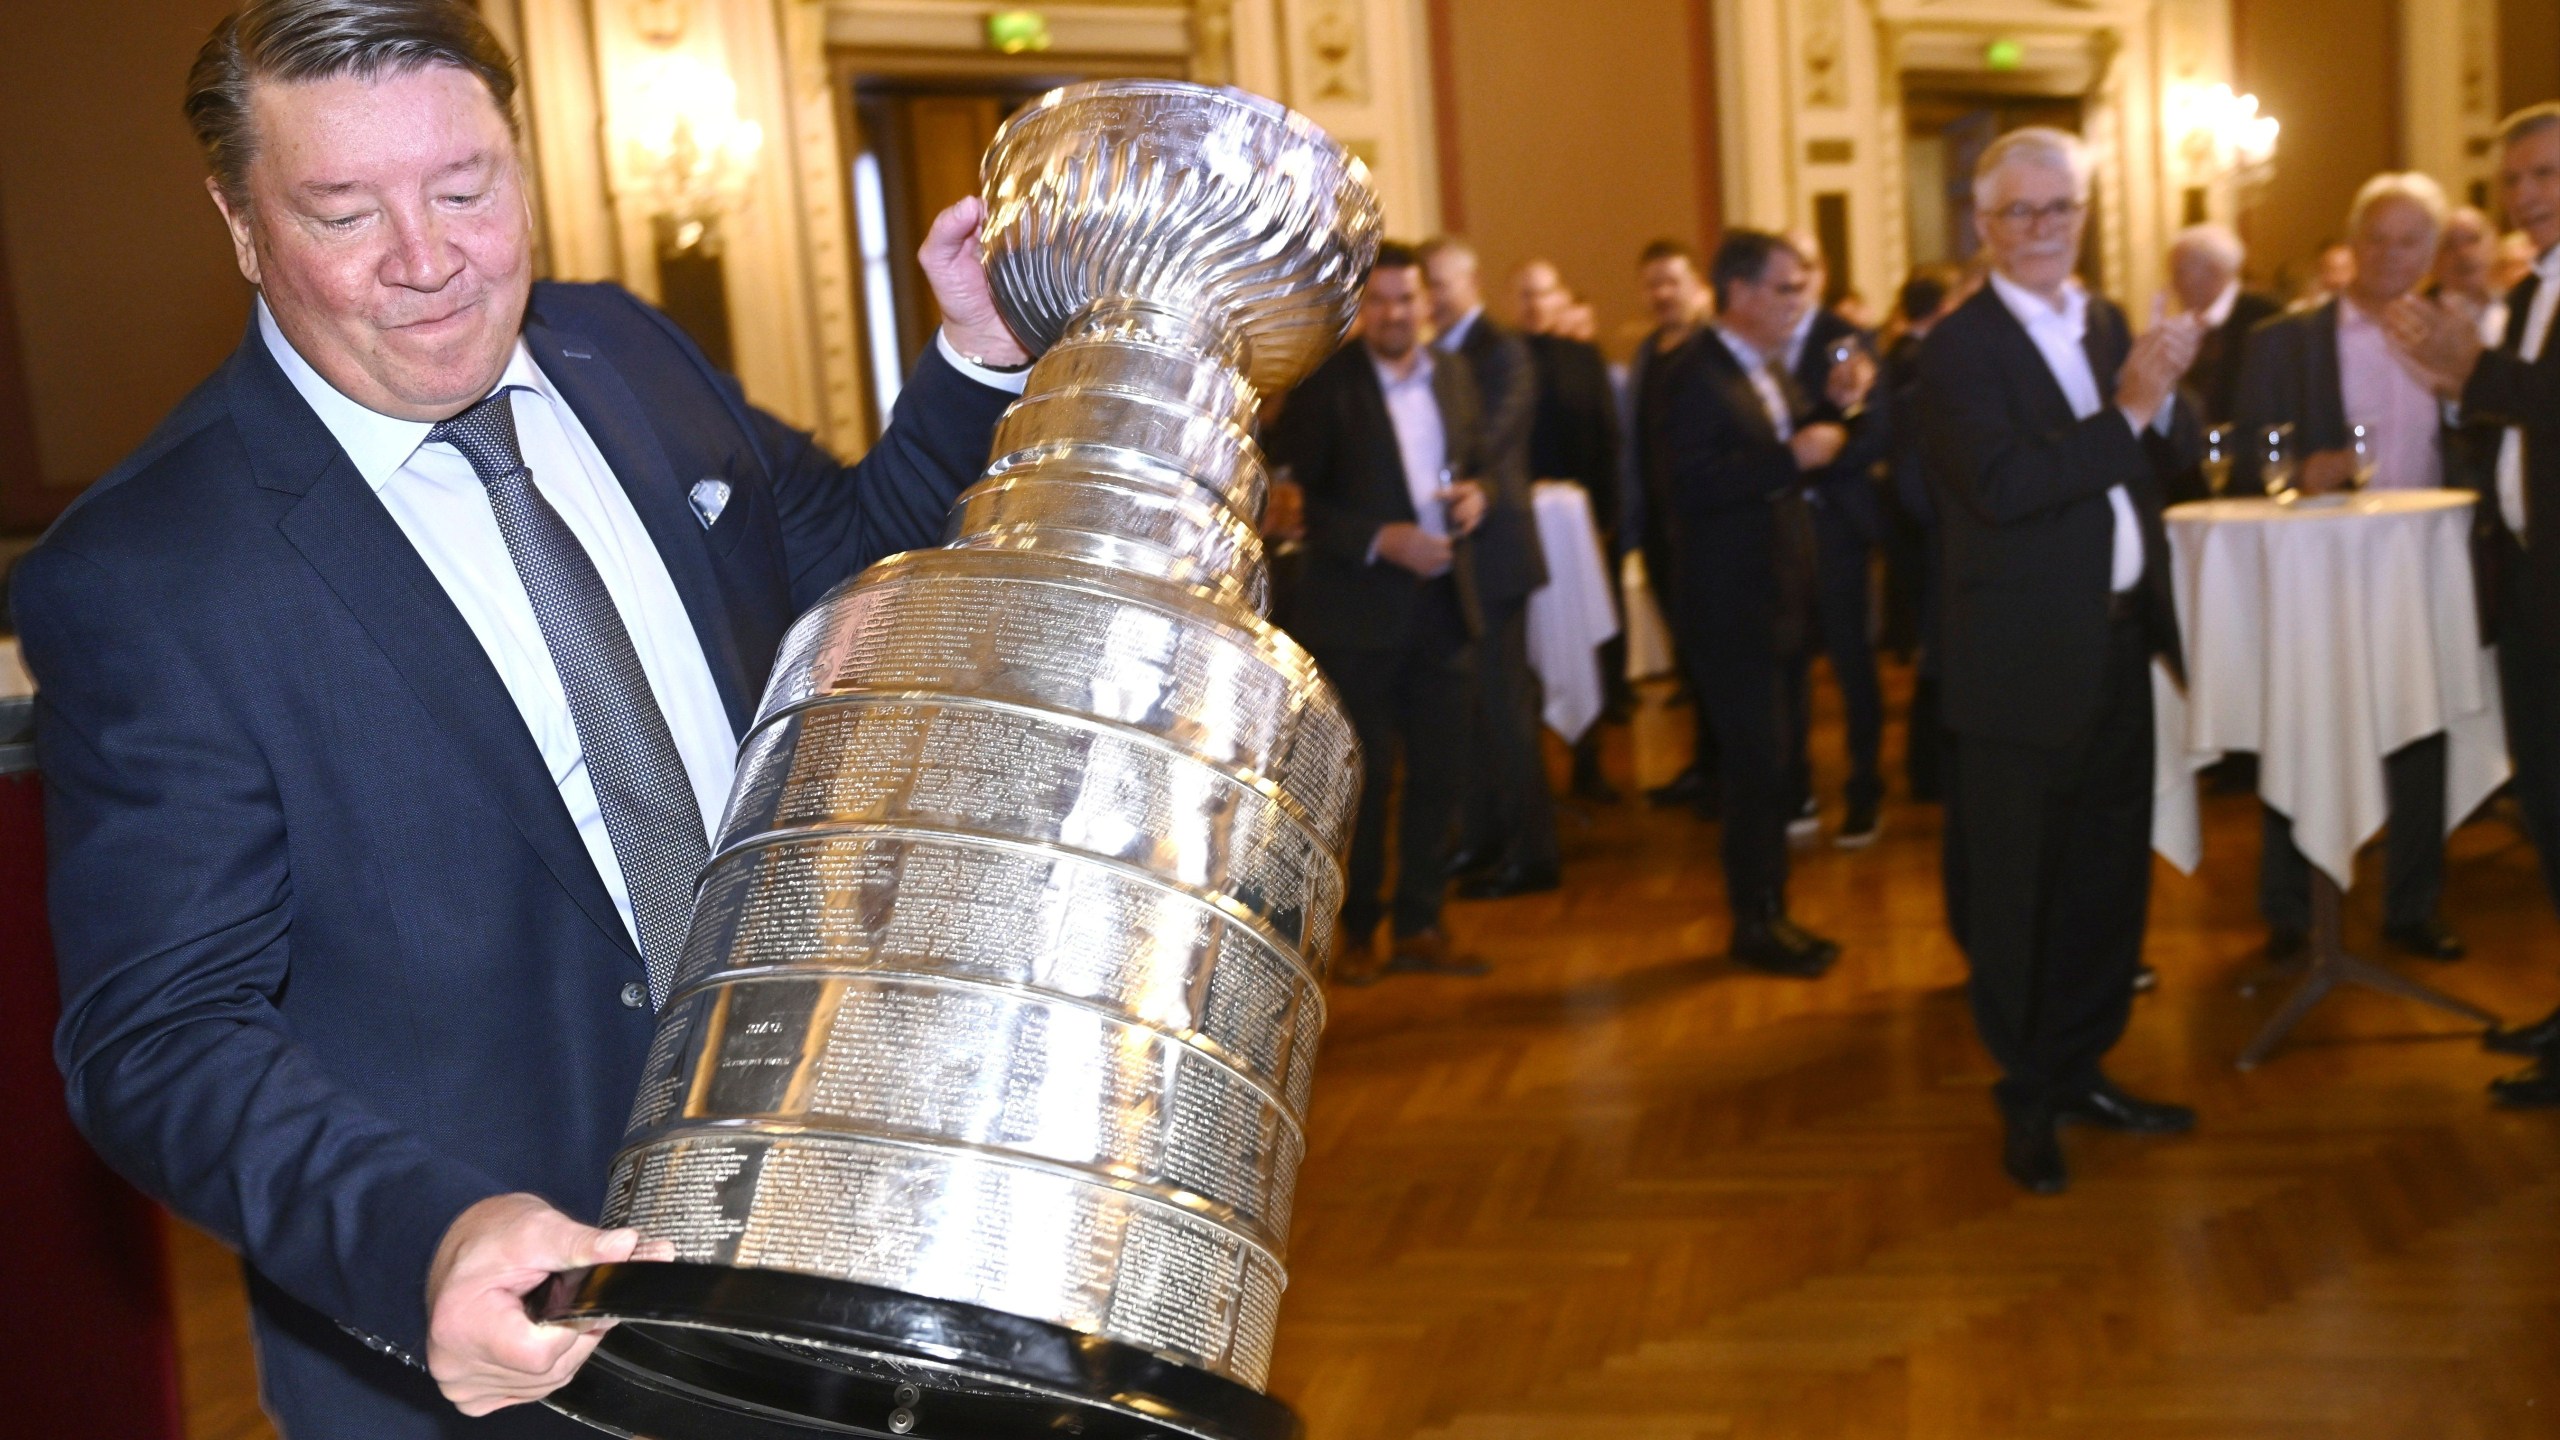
{"x":2360,"y":413}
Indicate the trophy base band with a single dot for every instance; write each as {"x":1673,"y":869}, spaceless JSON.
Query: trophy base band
{"x":710,"y":1352}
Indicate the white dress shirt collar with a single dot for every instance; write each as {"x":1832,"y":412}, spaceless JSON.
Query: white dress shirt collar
{"x":2217,"y":314}
{"x":2036,"y":312}
{"x":1456,"y":335}
{"x":379,"y":444}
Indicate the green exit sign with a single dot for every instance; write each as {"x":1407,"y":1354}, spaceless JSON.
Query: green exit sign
{"x":2003,"y":54}
{"x":1017,"y":32}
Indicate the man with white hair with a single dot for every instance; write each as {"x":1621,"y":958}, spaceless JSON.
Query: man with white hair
{"x":2046,"y":426}
{"x":2204,"y":275}
{"x":2321,"y":371}
{"x":2467,"y":269}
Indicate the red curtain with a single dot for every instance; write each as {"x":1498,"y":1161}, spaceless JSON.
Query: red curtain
{"x":91,"y":1348}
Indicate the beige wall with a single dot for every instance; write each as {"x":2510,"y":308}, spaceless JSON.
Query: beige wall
{"x":2329,"y":71}
{"x":2528,"y":52}
{"x":125,"y":291}
{"x":1572,"y":139}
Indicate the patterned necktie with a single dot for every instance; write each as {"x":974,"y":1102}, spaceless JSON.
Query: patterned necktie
{"x":650,"y":812}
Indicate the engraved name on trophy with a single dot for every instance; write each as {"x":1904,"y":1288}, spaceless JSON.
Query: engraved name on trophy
{"x":977,"y":1105}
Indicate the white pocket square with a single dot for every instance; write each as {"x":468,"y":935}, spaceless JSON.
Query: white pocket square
{"x":710,"y":497}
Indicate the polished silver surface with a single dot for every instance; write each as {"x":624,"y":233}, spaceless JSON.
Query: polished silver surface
{"x":1003,"y":981}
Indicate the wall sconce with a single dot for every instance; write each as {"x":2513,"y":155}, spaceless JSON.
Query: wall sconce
{"x":684,"y":152}
{"x":2221,"y":135}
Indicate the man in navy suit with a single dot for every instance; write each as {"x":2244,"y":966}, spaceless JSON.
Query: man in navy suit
{"x":389,"y":693}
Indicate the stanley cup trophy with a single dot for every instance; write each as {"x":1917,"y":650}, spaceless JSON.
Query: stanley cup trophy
{"x":976,"y":1108}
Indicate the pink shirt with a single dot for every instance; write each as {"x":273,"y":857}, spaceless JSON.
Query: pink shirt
{"x":2380,"y":393}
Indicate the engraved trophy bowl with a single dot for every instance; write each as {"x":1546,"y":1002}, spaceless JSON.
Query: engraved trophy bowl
{"x":977,"y":1106}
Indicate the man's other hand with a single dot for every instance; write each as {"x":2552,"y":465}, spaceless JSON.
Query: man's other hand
{"x":2441,"y":343}
{"x":1466,"y":501}
{"x":483,"y":1350}
{"x":959,"y":280}
{"x":1816,"y":446}
{"x":1415,"y":548}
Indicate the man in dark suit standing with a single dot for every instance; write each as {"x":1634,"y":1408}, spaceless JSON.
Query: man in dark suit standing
{"x":388,"y":695}
{"x":1507,"y":823}
{"x":2042,"y":416}
{"x":1736,"y":445}
{"x":2312,"y":370}
{"x":1847,"y":526}
{"x":1378,"y":438}
{"x":1675,"y":291}
{"x":2204,"y":275}
{"x":1573,"y":435}
{"x":2517,"y":387}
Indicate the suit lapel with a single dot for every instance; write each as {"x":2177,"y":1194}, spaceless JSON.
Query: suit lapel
{"x":2519,"y":311}
{"x":2025,"y":359}
{"x":341,"y":528}
{"x":1741,"y":397}
{"x":614,"y":420}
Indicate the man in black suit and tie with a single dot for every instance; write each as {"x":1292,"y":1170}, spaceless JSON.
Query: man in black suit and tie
{"x":388,"y":695}
{"x":1848,"y":524}
{"x":1507,"y":823}
{"x":2314,"y":370}
{"x":2516,"y":387}
{"x":2042,"y":416}
{"x":1737,"y":443}
{"x":1675,"y":291}
{"x":1378,"y":438}
{"x":2204,"y":275}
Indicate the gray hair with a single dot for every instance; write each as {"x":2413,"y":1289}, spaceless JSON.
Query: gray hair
{"x":2531,"y":120}
{"x":292,"y":41}
{"x":2409,"y":185}
{"x":2033,"y":145}
{"x":2218,"y":241}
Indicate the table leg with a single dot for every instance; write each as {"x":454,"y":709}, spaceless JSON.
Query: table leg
{"x":2331,"y":966}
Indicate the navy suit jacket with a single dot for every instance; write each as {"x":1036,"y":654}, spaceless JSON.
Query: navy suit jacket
{"x":335,"y":964}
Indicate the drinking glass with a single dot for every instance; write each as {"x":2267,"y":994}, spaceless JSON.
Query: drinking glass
{"x":2275,"y":460}
{"x":1841,"y":351}
{"x":2220,"y":444}
{"x":2360,"y":443}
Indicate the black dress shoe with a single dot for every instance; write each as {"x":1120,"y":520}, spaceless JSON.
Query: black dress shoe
{"x":2109,"y":1108}
{"x":1508,"y":881}
{"x":2541,"y":1038}
{"x":1779,"y":946}
{"x":2031,"y":1152}
{"x":2428,"y":941}
{"x":1686,"y":788}
{"x":1592,"y":790}
{"x":2286,"y":943}
{"x":1470,"y":860}
{"x":1860,"y":827}
{"x":2535,"y":1089}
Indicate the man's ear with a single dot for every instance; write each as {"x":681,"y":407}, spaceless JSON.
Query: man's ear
{"x":244,"y":245}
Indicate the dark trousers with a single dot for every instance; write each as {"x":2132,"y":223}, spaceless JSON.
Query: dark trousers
{"x":1841,"y":600}
{"x":1662,"y":575}
{"x":1740,"y":685}
{"x":2529,"y":674}
{"x":1412,"y":703}
{"x":2413,"y":870}
{"x":1508,"y":813}
{"x":2049,"y":881}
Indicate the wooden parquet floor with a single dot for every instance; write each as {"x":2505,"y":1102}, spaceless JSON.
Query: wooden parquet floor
{"x":1621,"y":1191}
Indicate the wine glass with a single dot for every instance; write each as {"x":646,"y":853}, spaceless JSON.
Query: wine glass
{"x":1842,"y":351}
{"x":2360,"y":444}
{"x":2275,"y":460}
{"x":2221,"y":442}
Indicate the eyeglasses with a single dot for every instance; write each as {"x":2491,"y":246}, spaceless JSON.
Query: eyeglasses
{"x":2025,"y":214}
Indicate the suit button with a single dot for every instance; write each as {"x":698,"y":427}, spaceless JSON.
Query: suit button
{"x":633,"y":996}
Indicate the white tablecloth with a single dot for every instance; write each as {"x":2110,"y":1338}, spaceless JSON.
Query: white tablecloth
{"x":2325,"y":635}
{"x":1570,"y":615}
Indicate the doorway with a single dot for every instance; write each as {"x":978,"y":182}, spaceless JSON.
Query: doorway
{"x":1945,"y":132}
{"x":914,"y":133}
